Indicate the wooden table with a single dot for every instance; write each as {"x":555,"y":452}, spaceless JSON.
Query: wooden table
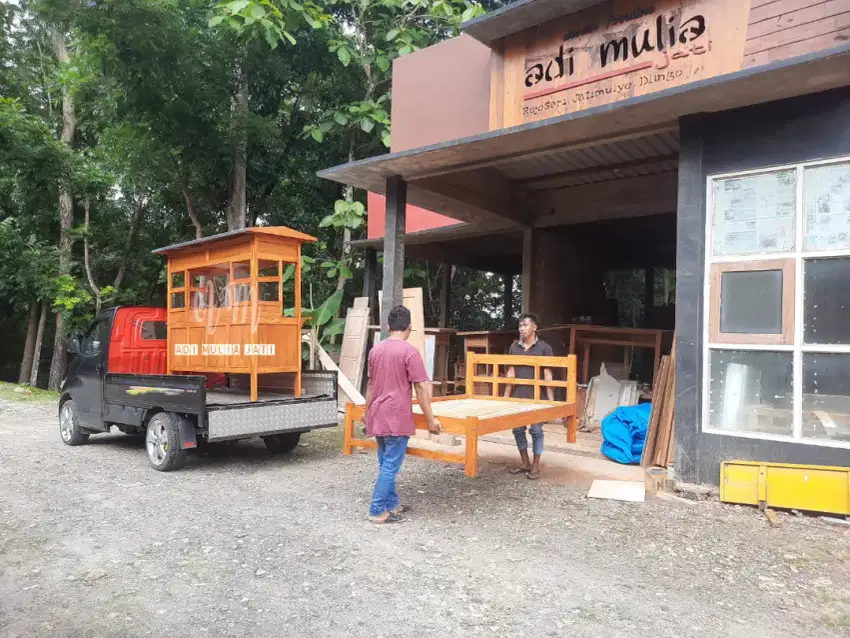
{"x":474,"y":416}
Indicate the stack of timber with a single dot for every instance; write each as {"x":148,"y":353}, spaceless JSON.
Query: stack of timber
{"x":658,"y":449}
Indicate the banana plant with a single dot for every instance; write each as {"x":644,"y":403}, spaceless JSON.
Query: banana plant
{"x":322,"y":322}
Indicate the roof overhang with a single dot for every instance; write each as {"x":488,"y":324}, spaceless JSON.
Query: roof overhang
{"x":459,"y":177}
{"x":522,"y":15}
{"x":274,"y":231}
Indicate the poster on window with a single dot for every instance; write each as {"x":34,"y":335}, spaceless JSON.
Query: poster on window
{"x":827,"y":196}
{"x":755,"y":214}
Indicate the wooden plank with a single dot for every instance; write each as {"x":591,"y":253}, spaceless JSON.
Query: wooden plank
{"x":434,"y":455}
{"x":801,"y":33}
{"x":665,"y":429}
{"x":412,"y":300}
{"x":795,"y":49}
{"x":655,"y":413}
{"x":789,"y":13}
{"x":354,"y":338}
{"x":344,"y":383}
{"x":470,"y":467}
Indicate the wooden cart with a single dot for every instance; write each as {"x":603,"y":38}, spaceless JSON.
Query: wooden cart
{"x":475,"y":415}
{"x":226,"y":304}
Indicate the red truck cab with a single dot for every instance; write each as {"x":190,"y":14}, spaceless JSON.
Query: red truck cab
{"x":139,"y":341}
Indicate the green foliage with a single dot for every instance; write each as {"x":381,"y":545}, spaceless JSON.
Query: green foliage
{"x":264,"y":18}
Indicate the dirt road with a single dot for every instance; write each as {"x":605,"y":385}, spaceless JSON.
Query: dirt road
{"x":95,"y":543}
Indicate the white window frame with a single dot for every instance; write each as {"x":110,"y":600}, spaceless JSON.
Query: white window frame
{"x":798,"y":348}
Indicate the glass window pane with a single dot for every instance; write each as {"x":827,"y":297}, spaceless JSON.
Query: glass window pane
{"x":242,"y":270}
{"x":751,"y":391}
{"x":241,"y":293}
{"x":268,"y":268}
{"x":751,"y":302}
{"x":178,"y":279}
{"x":178,"y":300}
{"x":827,"y":197}
{"x":755,"y":214}
{"x":269,"y":290}
{"x":826,"y":396}
{"x":826,"y":303}
{"x":219,"y":284}
{"x":154,"y":330}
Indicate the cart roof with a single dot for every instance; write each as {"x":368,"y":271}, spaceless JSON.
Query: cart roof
{"x":278,"y":231}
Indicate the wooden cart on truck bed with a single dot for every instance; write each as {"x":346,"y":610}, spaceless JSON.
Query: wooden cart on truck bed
{"x":475,"y":415}
{"x":221,"y":362}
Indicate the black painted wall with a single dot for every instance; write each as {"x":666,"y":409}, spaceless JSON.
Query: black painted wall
{"x":802,"y":129}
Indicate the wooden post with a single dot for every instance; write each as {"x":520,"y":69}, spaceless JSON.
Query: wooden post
{"x":445,"y":295}
{"x":572,"y":371}
{"x":297,"y":316}
{"x":255,"y":317}
{"x":470,"y":372}
{"x":528,"y":267}
{"x":393,"y":284}
{"x":470,"y":466}
{"x":508,"y":301}
{"x":370,"y":284}
{"x":348,"y":429}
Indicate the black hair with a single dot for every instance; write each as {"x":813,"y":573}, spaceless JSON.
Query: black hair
{"x":399,"y":319}
{"x":532,"y":318}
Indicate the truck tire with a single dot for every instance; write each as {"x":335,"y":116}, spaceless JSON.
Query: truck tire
{"x":282,"y":443}
{"x":69,"y":425}
{"x":162,"y":442}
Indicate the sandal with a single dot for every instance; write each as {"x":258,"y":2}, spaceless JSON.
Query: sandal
{"x":532,"y":476}
{"x":520,"y":470}
{"x":401,"y":509}
{"x":390,"y":518}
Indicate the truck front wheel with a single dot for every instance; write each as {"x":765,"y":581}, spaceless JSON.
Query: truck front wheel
{"x":282,"y":443}
{"x":162,"y":442}
{"x":69,"y":425}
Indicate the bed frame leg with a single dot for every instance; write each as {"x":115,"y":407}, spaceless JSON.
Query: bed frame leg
{"x":470,"y":466}
{"x":348,"y":429}
{"x":572,"y":437}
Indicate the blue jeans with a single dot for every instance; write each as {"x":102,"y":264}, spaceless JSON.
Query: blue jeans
{"x":536,"y":438}
{"x":391,"y":451}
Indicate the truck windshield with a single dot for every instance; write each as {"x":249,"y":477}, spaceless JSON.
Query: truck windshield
{"x":154,"y":330}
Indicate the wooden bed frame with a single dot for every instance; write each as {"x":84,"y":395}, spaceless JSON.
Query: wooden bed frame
{"x":475,"y":415}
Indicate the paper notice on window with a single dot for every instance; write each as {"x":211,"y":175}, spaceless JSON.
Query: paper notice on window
{"x":755,"y":214}
{"x":827,"y":196}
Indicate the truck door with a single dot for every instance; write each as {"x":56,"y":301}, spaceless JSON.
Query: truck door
{"x":90,"y":373}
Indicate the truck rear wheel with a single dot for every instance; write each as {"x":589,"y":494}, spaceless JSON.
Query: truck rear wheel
{"x":69,"y":425}
{"x":282,"y":443}
{"x":162,"y":442}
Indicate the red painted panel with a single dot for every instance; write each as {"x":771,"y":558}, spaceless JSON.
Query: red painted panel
{"x":132,"y":348}
{"x":417,"y":218}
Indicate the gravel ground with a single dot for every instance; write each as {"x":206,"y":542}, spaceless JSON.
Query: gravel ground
{"x":94,"y":543}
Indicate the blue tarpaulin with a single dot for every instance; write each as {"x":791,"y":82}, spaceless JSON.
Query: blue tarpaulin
{"x":624,"y":433}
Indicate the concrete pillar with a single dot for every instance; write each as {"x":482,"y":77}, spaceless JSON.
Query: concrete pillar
{"x":508,"y":300}
{"x":393,"y":284}
{"x":445,"y":295}
{"x":370,"y":284}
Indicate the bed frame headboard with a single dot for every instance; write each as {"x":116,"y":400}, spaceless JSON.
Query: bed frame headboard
{"x":497,"y":367}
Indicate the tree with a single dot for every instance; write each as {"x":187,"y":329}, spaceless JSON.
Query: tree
{"x":368,"y":35}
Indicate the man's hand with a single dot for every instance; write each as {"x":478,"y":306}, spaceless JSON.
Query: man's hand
{"x":435,"y":427}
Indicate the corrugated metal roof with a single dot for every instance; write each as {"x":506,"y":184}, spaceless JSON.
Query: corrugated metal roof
{"x":521,"y":15}
{"x":632,"y":157}
{"x":278,"y":231}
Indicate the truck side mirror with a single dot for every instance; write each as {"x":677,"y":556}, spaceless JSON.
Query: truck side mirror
{"x":74,"y":346}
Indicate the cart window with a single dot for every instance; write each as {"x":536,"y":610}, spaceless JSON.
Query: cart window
{"x":269,"y":291}
{"x":154,"y":330}
{"x":178,"y":300}
{"x":268,"y":268}
{"x":209,"y":286}
{"x":178,"y":279}
{"x":241,"y":293}
{"x":242,"y":270}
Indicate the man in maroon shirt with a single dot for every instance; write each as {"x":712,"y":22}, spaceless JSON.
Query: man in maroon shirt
{"x":395,"y":367}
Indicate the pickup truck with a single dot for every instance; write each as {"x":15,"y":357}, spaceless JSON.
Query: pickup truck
{"x":116,"y":378}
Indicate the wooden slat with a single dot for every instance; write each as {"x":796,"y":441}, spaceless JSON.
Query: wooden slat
{"x":801,"y":33}
{"x":353,"y":352}
{"x":434,"y":455}
{"x":796,"y":16}
{"x":777,"y":8}
{"x":655,"y":413}
{"x":795,"y":49}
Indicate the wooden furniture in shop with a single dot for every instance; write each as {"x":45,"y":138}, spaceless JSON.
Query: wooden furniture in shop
{"x":225,"y":304}
{"x":475,"y":415}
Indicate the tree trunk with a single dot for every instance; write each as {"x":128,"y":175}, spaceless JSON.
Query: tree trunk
{"x":236,"y":208}
{"x":92,"y":285}
{"x":39,"y":338}
{"x":138,"y":207}
{"x":348,"y":195}
{"x":58,"y":365}
{"x":29,"y":344}
{"x":190,"y":208}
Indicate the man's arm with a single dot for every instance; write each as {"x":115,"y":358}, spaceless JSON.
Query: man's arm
{"x":509,"y":387}
{"x":368,"y":397}
{"x":550,"y":391}
{"x":423,"y":396}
